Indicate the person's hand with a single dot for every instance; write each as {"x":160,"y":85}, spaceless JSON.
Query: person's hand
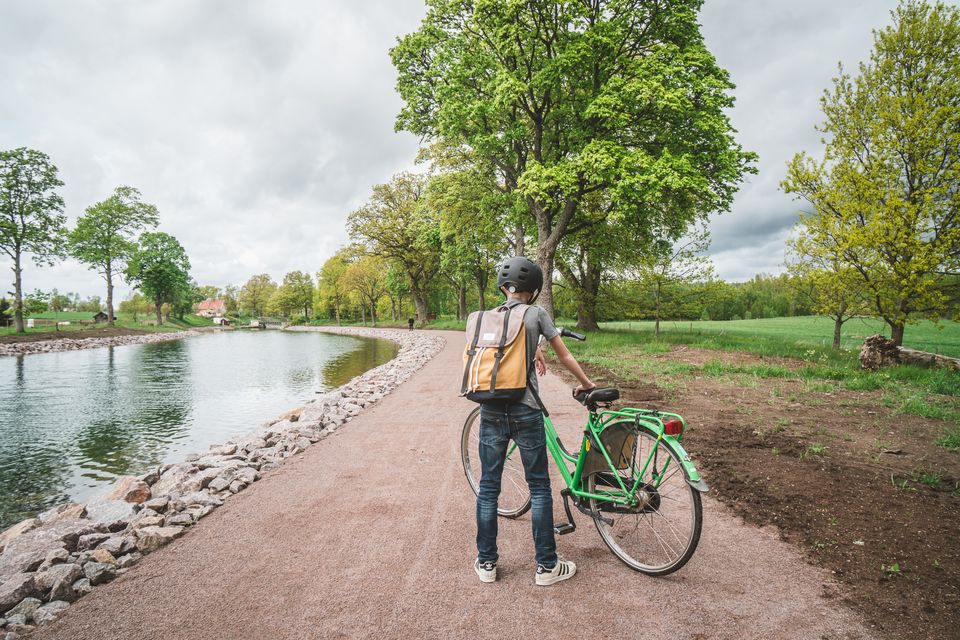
{"x":540,"y":362}
{"x":581,"y":388}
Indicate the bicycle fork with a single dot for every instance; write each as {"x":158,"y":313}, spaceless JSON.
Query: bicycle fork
{"x":570,"y":525}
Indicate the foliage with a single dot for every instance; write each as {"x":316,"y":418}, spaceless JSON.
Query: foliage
{"x":330,"y":292}
{"x":884,"y":195}
{"x":399,"y":224}
{"x":104,"y":236}
{"x":367,"y":276}
{"x":209,"y":292}
{"x":295,"y":293}
{"x":31,"y":214}
{"x":255,"y":295}
{"x":36,"y":302}
{"x":563,"y":99}
{"x":159,"y":267}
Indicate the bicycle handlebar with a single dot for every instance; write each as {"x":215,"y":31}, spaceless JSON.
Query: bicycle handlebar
{"x":570,"y":334}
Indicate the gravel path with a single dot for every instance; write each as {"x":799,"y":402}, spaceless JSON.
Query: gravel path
{"x":370,"y":534}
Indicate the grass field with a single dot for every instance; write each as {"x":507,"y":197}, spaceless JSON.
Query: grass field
{"x":123,"y":320}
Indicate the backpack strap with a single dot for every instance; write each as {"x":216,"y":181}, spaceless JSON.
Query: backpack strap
{"x":498,"y":356}
{"x":470,"y":354}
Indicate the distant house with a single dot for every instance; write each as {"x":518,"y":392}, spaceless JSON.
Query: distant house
{"x":212,"y":307}
{"x":223,"y":322}
{"x":100,"y":317}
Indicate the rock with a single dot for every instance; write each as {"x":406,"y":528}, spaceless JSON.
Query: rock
{"x":198,"y":511}
{"x":82,"y":587}
{"x":222,"y":481}
{"x":192,"y":457}
{"x":255,"y":444}
{"x":129,"y":489}
{"x":150,"y":477}
{"x":44,"y":581}
{"x":115,"y":514}
{"x":91,"y":540}
{"x":201,"y":498}
{"x":158,"y":504}
{"x":56,"y":556}
{"x":236,"y":486}
{"x":26,"y":608}
{"x":148,"y":521}
{"x":17,"y":619}
{"x":269,"y":465}
{"x":247,"y":475}
{"x":224,"y":450}
{"x":99,"y":572}
{"x":152,"y":538}
{"x":118,"y":545}
{"x":16,"y":530}
{"x":199,"y":480}
{"x":27,"y":551}
{"x":129,"y":559}
{"x":171,"y":479}
{"x":351,"y":408}
{"x":48,"y":612}
{"x":103,"y":556}
{"x":179,"y":520}
{"x":302,"y":444}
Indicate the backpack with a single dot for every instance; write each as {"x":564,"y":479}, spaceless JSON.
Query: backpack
{"x":495,"y":366}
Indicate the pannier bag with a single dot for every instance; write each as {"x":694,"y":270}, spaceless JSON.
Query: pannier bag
{"x":619,"y":439}
{"x":495,"y":366}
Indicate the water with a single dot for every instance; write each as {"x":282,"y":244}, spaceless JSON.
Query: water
{"x":71,"y":422}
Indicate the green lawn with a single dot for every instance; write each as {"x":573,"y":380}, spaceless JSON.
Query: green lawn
{"x":124,"y":320}
{"x":812,"y":330}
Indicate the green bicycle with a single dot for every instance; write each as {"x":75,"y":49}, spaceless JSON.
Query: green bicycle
{"x":631,"y":476}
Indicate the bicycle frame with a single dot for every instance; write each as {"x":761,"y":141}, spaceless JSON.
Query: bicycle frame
{"x":596,"y":423}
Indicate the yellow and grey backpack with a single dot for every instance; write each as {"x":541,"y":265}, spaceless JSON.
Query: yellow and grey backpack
{"x":495,"y":366}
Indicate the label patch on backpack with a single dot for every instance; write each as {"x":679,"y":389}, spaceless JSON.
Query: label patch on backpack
{"x":489,"y":336}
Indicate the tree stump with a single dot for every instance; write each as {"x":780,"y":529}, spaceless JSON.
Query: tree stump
{"x":878,"y":352}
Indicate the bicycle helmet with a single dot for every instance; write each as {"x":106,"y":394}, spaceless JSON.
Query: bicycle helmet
{"x":520,"y":274}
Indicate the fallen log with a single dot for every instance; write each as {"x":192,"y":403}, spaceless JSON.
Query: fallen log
{"x":877,"y":352}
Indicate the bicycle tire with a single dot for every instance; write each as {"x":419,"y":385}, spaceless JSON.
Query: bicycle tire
{"x":516,"y":498}
{"x":673,"y":560}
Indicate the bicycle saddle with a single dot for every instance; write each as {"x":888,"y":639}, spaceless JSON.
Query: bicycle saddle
{"x":599,"y":394}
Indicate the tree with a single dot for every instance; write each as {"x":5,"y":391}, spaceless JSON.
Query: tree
{"x":676,"y":272}
{"x":330,"y":289}
{"x":300,"y":286}
{"x":256,"y":293}
{"x":884,"y":194}
{"x":367,"y":276}
{"x":135,"y":305}
{"x":104,"y":236}
{"x":36,"y":302}
{"x":568,"y":98}
{"x":31,"y":215}
{"x":58,"y":301}
{"x":209,"y":292}
{"x":159,"y":267}
{"x":398,"y":223}
{"x":5,"y":311}
{"x":231,"y":293}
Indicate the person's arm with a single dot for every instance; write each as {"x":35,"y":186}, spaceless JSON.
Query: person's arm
{"x":568,"y":361}
{"x":541,"y":362}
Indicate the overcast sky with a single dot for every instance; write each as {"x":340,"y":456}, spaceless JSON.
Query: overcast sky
{"x":257,"y":127}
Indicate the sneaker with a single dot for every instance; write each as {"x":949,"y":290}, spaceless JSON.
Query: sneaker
{"x":563,"y":570}
{"x":486,"y":570}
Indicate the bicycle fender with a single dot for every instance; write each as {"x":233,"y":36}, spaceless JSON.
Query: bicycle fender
{"x":692,"y":475}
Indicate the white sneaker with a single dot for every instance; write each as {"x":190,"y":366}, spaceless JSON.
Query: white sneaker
{"x":486,"y":570}
{"x":563,"y":571}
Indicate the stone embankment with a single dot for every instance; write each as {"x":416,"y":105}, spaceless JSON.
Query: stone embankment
{"x":49,"y":561}
{"x":71,"y":344}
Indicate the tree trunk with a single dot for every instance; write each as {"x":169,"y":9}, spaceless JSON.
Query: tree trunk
{"x":159,"y":311}
{"x":656,"y":323}
{"x":108,"y":274}
{"x":837,"y":324}
{"x":336,"y":308}
{"x":363,"y":314}
{"x":18,"y":294}
{"x":420,"y":302}
{"x":373,"y":314}
{"x":482,"y":288}
{"x":462,"y":303}
{"x":519,"y":241}
{"x":546,"y":253}
{"x":393,"y":309}
{"x":896,"y":333}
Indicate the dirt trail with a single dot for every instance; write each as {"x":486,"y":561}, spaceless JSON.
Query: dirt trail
{"x":371,"y":534}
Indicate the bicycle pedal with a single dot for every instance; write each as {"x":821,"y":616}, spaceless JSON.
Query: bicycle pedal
{"x":564,"y":529}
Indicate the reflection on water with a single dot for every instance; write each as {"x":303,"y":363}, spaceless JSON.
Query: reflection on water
{"x":71,"y":422}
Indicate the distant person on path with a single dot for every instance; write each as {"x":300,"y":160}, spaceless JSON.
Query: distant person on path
{"x":498,"y":374}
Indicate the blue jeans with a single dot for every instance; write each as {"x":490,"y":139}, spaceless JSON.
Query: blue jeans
{"x":498,"y":425}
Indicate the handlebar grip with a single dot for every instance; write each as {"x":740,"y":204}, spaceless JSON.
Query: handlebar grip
{"x":570,"y":334}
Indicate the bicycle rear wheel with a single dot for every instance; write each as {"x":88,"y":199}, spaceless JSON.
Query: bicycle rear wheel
{"x":660,"y":534}
{"x":514,"y":500}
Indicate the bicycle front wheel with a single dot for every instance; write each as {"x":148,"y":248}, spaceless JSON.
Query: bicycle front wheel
{"x":659,"y":534}
{"x":514,"y":500}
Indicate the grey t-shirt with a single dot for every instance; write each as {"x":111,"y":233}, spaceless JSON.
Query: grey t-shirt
{"x":536,"y":323}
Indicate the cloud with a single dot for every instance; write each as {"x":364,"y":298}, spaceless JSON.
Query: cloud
{"x":257,"y":127}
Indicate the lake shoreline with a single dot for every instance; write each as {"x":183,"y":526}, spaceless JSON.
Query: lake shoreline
{"x":58,"y":344}
{"x":48,"y":561}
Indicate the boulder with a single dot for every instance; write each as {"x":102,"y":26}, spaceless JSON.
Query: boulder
{"x":44,"y":580}
{"x":82,"y":587}
{"x":247,"y":475}
{"x":129,"y":489}
{"x":157,"y":504}
{"x":152,"y":538}
{"x":48,"y":612}
{"x":14,"y":588}
{"x":17,"y":530}
{"x":179,"y":520}
{"x":26,"y":608}
{"x":171,"y":479}
{"x":56,"y":556}
{"x":236,"y":486}
{"x":103,"y":556}
{"x":114,"y":514}
{"x":99,"y":572}
{"x":129,"y":559}
{"x":148,"y":521}
{"x":118,"y":545}
{"x":200,"y":480}
{"x":201,"y":498}
{"x":224,"y":450}
{"x":91,"y":541}
{"x":27,"y":551}
{"x":151,"y":476}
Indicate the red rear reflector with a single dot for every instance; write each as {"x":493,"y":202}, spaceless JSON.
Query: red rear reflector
{"x":672,"y":427}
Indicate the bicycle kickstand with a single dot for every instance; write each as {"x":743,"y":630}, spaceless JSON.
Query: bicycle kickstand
{"x":570,"y":526}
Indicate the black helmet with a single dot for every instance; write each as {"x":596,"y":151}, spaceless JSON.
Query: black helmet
{"x":520,"y":274}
